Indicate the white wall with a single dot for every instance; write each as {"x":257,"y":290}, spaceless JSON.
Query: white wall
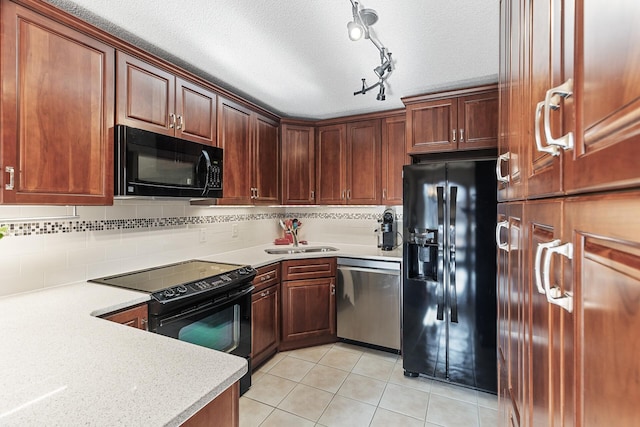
{"x":135,"y":234}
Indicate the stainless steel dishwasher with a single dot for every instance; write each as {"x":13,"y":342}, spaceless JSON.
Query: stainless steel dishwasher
{"x":368,"y":302}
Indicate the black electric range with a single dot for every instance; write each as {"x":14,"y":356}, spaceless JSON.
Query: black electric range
{"x":182,"y":284}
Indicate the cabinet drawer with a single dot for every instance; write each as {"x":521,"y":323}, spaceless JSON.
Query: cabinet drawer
{"x":267,"y":276}
{"x":135,"y":317}
{"x":308,"y":268}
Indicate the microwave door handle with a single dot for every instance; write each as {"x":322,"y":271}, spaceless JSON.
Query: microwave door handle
{"x":208,"y":174}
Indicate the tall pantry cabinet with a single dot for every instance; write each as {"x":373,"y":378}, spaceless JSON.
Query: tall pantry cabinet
{"x":569,"y":274}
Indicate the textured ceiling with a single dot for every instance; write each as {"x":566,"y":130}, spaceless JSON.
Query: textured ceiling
{"x":294,"y":57}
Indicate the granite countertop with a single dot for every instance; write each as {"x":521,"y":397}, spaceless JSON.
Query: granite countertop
{"x":61,"y":365}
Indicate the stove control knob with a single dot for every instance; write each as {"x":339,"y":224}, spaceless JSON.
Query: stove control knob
{"x":181,"y":290}
{"x":242,"y":272}
{"x":169,"y":293}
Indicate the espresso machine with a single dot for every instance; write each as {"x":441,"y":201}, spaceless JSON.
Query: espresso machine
{"x":387,"y":231}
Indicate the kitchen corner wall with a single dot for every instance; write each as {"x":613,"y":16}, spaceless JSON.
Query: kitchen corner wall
{"x":136,"y":234}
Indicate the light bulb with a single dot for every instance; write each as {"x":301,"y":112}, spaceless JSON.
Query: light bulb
{"x":355,"y":30}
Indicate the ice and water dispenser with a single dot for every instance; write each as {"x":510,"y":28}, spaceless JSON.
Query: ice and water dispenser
{"x":422,"y":254}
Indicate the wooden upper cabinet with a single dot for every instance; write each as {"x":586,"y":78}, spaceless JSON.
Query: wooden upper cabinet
{"x":478,"y":121}
{"x":266,"y":158}
{"x":348,"y":163}
{"x":150,"y":98}
{"x":251,"y":155}
{"x":449,"y":121}
{"x":430,"y":126}
{"x":330,"y":173}
{"x":195,"y":112}
{"x":393,"y":159}
{"x":607,"y":98}
{"x":363,"y":162}
{"x":234,"y":137}
{"x":543,"y":168}
{"x":56,"y":112}
{"x":298,"y":165}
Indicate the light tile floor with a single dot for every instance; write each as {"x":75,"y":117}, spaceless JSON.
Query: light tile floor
{"x":345,"y":385}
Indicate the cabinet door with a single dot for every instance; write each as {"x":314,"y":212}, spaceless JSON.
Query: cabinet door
{"x":234,"y":137}
{"x":308,"y":309}
{"x":432,"y":126}
{"x":298,"y":165}
{"x":517,"y":90}
{"x":393,"y":159}
{"x":543,"y":168}
{"x":606,"y":283}
{"x":266,"y":158}
{"x":330,"y":173}
{"x":57,"y":112}
{"x":195,"y":113}
{"x":136,"y":317}
{"x":265,"y":324}
{"x":502,"y":167}
{"x":145,"y":96}
{"x":551,"y":327}
{"x":478,"y":121}
{"x":363,"y":162}
{"x":608,"y":94}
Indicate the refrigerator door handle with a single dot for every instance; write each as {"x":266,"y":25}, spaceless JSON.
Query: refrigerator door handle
{"x":453,"y":294}
{"x":440,"y":275}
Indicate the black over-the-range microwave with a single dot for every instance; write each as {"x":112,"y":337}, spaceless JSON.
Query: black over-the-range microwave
{"x":151,"y":164}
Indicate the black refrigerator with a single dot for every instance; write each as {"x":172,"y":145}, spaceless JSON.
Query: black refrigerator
{"x":449,"y":273}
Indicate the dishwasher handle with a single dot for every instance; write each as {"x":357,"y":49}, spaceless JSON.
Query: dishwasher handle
{"x":369,"y":270}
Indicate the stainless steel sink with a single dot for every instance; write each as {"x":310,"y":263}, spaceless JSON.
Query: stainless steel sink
{"x":299,"y":250}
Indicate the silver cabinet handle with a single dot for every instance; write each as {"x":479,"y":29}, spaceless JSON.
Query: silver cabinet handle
{"x":453,"y":132}
{"x":554,"y":294}
{"x":552,"y":102}
{"x":145,"y":323}
{"x":502,"y":158}
{"x":264,"y":294}
{"x":257,"y":193}
{"x":172,"y":122}
{"x":313,"y":195}
{"x":499,"y":227}
{"x":180,"y":122}
{"x":537,"y":265}
{"x":12,"y":172}
{"x":553,"y":150}
{"x":384,"y":194}
{"x":333,"y":289}
{"x":348,"y":194}
{"x":461,"y":135}
{"x":344,"y":194}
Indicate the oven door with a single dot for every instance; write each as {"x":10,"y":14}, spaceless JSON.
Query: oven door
{"x":222,"y":323}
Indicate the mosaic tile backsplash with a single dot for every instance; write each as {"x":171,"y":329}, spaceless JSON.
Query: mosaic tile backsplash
{"x":136,"y":234}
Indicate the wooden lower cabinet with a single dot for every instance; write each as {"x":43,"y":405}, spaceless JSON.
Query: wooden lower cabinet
{"x":136,"y":317}
{"x":605,"y":275}
{"x":265,"y":315}
{"x":223,"y":411}
{"x":308,"y":304}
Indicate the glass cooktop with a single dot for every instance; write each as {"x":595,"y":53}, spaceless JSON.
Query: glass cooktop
{"x":167,"y":276}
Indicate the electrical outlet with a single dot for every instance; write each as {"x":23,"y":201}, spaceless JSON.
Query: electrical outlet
{"x":234,"y":230}
{"x":203,"y":235}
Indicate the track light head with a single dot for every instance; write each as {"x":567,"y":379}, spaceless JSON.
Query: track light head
{"x":356,"y":31}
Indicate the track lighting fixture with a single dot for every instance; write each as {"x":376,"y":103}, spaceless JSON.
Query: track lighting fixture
{"x":359,"y":27}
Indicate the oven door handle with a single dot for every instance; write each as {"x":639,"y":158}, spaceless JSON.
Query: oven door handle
{"x":207,"y":306}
